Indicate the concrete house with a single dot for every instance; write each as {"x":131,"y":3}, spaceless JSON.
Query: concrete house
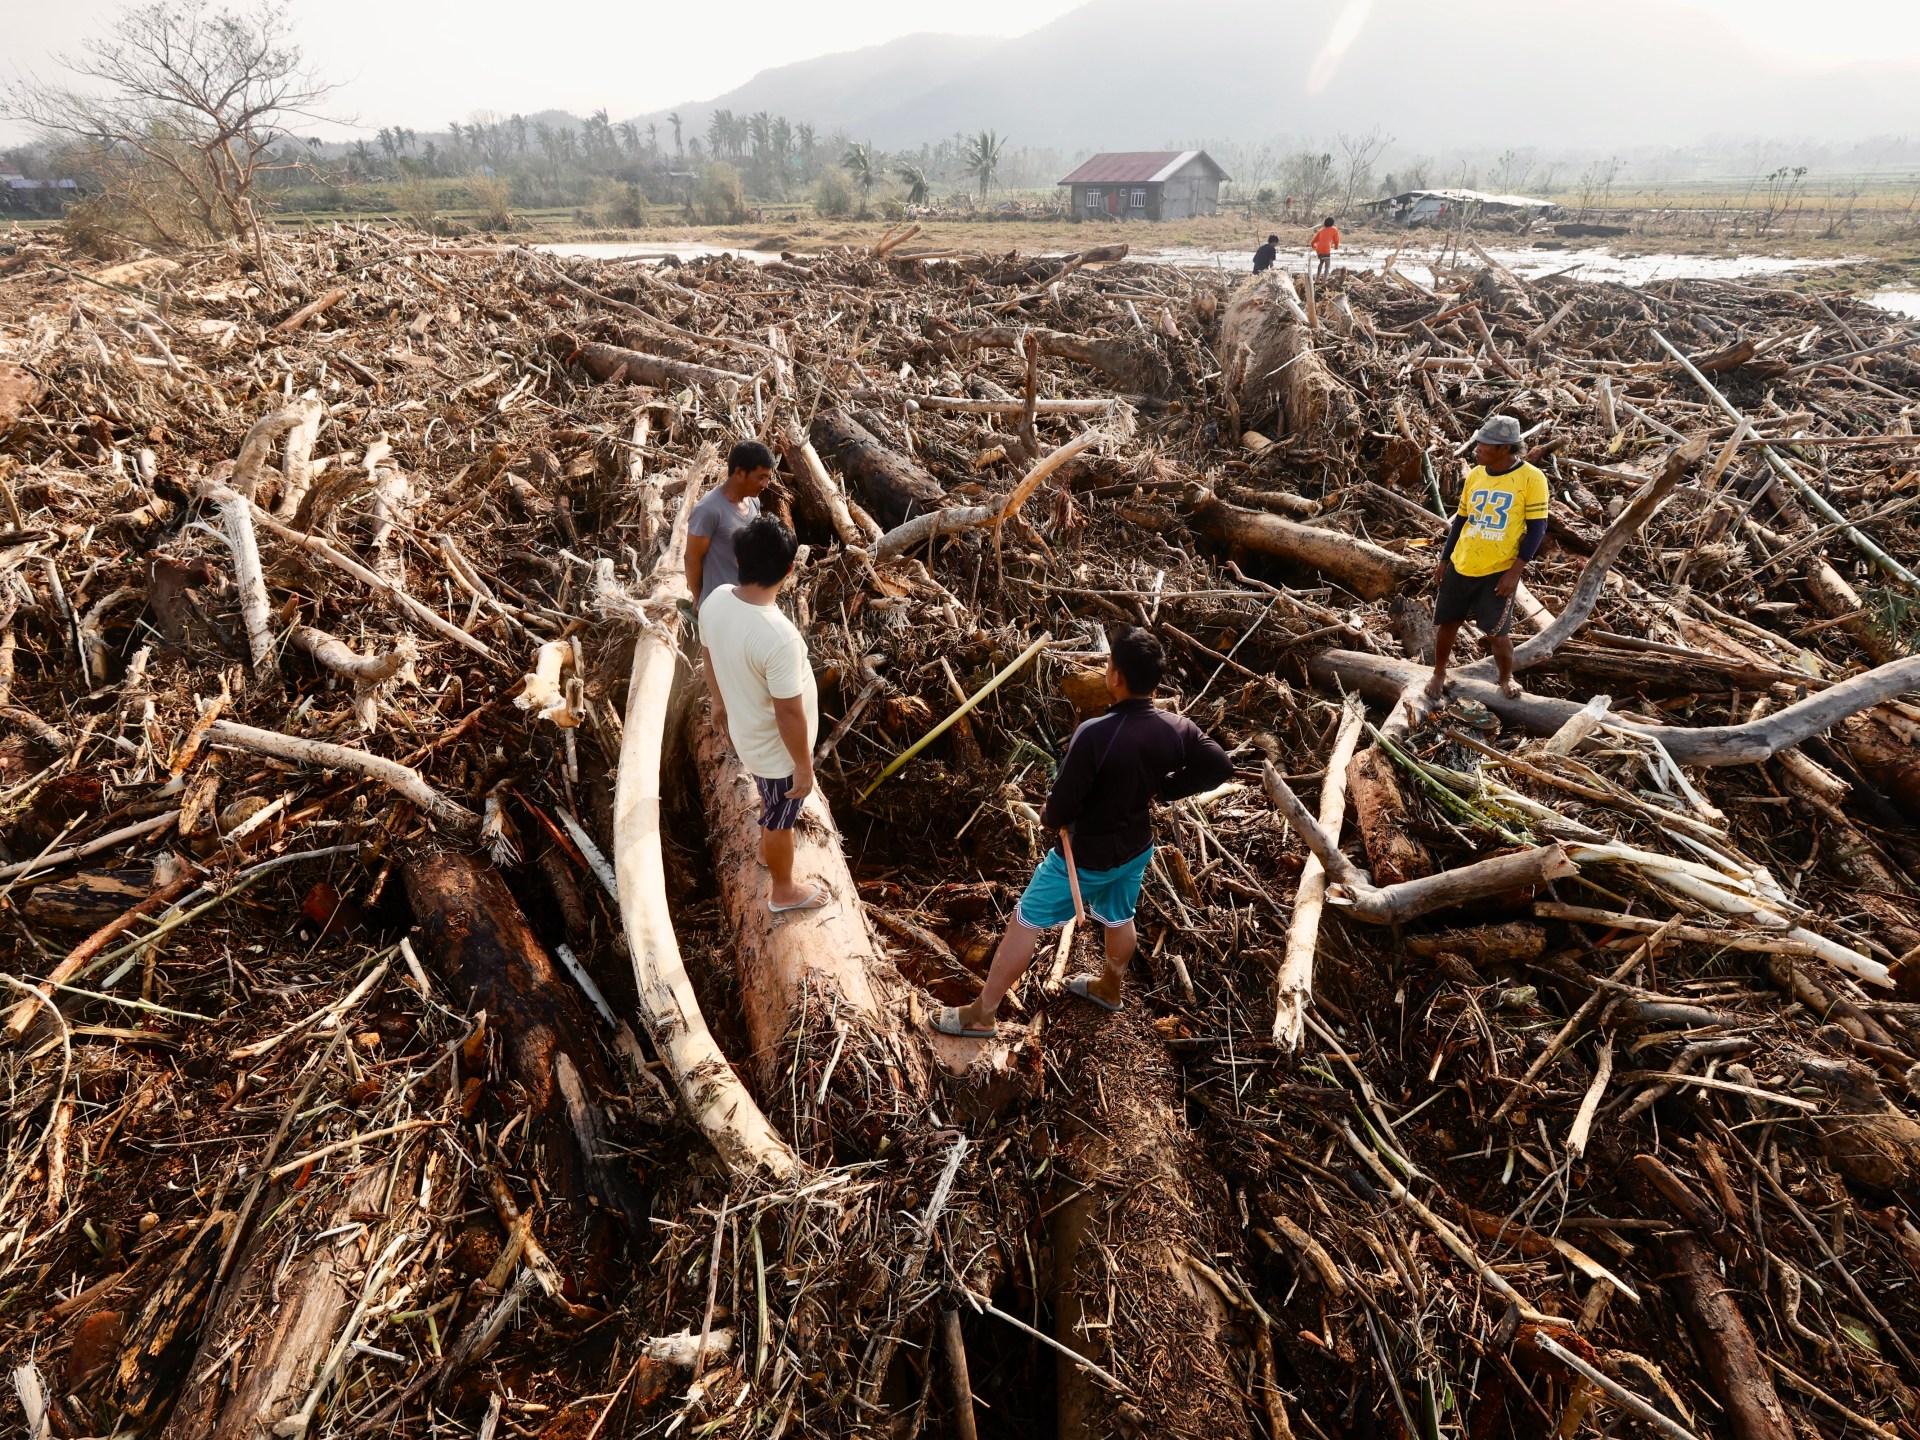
{"x":1145,"y":185}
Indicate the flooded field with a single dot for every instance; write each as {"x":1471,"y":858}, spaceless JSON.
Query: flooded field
{"x":1901,"y":302}
{"x":1591,"y":263}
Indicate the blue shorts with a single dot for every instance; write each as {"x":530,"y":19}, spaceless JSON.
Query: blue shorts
{"x":1110,"y":895}
{"x":777,"y":812}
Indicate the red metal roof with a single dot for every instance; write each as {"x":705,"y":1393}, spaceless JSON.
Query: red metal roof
{"x":1132,"y":167}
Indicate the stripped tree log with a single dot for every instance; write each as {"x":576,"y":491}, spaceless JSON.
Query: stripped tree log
{"x":1521,"y":871}
{"x":815,"y":489}
{"x":1370,"y":571}
{"x":714,"y":1096}
{"x":1276,"y":373}
{"x":1293,"y":991}
{"x":636,"y":367}
{"x":399,"y":778}
{"x":372,"y":675}
{"x":895,"y":487}
{"x":236,"y":524}
{"x":301,"y":415}
{"x":1384,"y":678}
{"x":482,"y":942}
{"x":808,"y":977}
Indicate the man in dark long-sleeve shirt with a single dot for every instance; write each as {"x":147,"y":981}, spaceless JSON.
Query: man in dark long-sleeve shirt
{"x":1500,"y":526}
{"x":1116,"y":767}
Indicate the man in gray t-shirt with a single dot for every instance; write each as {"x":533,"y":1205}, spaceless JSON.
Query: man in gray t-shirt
{"x":720,"y":514}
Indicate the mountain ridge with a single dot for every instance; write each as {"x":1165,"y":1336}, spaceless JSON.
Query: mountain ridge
{"x":1126,"y":74}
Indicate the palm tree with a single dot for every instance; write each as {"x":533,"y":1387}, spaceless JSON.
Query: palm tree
{"x":629,"y":136}
{"x":653,"y":138}
{"x":360,"y":159}
{"x":915,"y":179}
{"x":760,"y":133}
{"x":719,"y":131}
{"x":673,"y":119}
{"x":983,"y":159}
{"x":866,"y":166}
{"x":518,"y":125}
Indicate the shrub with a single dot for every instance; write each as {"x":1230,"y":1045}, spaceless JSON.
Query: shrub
{"x":615,"y":205}
{"x":492,"y":196}
{"x":418,"y":201}
{"x":891,"y":209}
{"x":833,"y":196}
{"x":722,"y":199}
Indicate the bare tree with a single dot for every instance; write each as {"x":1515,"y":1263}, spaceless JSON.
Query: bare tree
{"x":177,"y":110}
{"x":1309,"y":178}
{"x":1359,"y":153}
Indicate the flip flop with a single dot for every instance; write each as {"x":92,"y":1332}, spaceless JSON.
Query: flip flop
{"x":946,"y":1020}
{"x":818,"y":898}
{"x":1078,"y":986}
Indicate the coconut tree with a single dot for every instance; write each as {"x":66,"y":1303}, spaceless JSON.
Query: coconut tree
{"x":629,"y":136}
{"x":983,"y":159}
{"x":915,"y":179}
{"x":673,"y":119}
{"x":866,"y":166}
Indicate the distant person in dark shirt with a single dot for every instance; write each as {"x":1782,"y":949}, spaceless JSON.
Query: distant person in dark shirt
{"x":1117,"y":765}
{"x":721,"y":514}
{"x":1263,"y":257}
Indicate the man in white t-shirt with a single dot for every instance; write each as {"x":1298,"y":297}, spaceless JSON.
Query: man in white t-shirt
{"x":764,"y":696}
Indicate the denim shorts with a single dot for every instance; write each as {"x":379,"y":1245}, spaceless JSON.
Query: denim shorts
{"x":1110,"y":895}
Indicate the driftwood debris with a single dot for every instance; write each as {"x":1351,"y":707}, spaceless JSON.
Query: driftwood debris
{"x":397,"y":1042}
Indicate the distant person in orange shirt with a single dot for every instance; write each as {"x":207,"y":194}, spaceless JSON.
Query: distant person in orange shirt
{"x":1326,"y":240}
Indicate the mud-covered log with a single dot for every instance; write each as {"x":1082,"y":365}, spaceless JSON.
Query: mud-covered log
{"x":1266,"y":348}
{"x":1143,"y":1203}
{"x":1382,"y":814}
{"x":274,"y":1328}
{"x":1885,"y":757}
{"x":894,"y":487}
{"x":480,"y":939}
{"x":1134,"y":368}
{"x":1370,"y":571}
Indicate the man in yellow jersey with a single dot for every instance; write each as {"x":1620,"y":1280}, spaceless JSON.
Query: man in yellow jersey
{"x":1500,"y":526}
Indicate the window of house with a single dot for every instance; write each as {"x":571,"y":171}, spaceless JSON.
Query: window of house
{"x":1139,"y":200}
{"x":1094,"y":200}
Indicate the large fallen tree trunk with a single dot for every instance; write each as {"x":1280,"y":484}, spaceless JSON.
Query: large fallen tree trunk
{"x":894,"y":486}
{"x":1136,"y":369}
{"x":806,"y":977}
{"x":482,"y":941}
{"x":711,"y":1091}
{"x":636,"y":367}
{"x":1266,"y":348}
{"x":1370,"y":571}
{"x":1145,"y":1206}
{"x":1384,"y":678}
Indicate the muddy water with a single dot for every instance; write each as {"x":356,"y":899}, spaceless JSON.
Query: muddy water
{"x":1592,"y":263}
{"x":1901,"y":302}
{"x":621,"y":250}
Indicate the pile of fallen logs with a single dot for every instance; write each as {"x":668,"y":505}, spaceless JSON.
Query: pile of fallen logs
{"x":397,"y":1040}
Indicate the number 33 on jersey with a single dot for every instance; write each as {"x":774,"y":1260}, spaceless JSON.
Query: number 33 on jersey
{"x":1497,"y":509}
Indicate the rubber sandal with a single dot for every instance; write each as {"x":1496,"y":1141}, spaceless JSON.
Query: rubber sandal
{"x":1078,"y":986}
{"x":947,"y":1022}
{"x":818,"y":898}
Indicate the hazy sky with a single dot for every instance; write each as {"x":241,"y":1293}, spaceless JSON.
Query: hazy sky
{"x":423,"y":65}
